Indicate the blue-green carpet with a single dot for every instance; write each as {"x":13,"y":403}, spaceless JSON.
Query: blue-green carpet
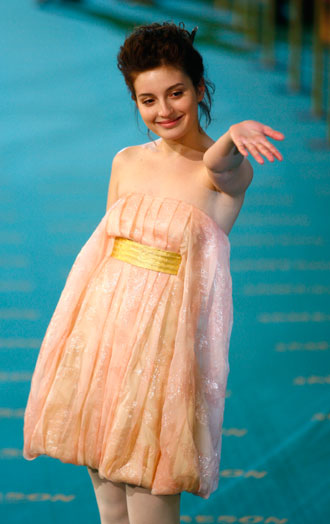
{"x":65,"y":112}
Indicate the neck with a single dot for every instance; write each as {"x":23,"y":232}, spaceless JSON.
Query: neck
{"x":187,"y":146}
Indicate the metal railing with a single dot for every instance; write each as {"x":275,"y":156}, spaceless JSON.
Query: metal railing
{"x":261,"y":31}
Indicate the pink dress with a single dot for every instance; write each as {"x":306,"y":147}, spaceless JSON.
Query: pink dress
{"x":132,"y":372}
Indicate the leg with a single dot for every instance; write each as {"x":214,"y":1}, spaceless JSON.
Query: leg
{"x":145,"y":508}
{"x":110,"y":498}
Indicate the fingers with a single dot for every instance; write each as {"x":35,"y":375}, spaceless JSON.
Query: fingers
{"x":267,"y":149}
{"x":256,"y":143}
{"x":254,"y":152}
{"x":241,"y":148}
{"x":277,"y":135}
{"x":265,"y":152}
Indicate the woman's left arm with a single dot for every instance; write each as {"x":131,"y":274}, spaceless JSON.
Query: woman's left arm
{"x":226,"y":162}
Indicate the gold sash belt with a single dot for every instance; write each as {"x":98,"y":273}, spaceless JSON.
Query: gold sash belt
{"x":146,"y":256}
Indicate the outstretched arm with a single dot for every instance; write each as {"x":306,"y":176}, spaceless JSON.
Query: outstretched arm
{"x":226,"y":161}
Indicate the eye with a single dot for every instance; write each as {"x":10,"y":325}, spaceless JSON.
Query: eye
{"x":177,"y":93}
{"x":148,"y":101}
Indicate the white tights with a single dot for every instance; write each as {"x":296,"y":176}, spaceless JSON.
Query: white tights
{"x":121,"y":503}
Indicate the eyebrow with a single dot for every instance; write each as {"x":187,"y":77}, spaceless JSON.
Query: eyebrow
{"x":168,"y":89}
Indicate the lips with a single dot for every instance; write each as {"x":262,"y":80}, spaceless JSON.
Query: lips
{"x":169,"y":122}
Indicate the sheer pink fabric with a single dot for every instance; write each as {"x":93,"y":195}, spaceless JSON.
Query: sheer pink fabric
{"x":132,"y":372}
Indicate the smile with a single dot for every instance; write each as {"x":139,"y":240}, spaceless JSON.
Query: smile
{"x":169,"y":123}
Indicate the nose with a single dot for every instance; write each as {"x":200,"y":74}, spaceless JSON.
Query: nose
{"x":165,"y":109}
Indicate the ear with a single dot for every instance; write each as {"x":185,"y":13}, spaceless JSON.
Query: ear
{"x":201,"y":90}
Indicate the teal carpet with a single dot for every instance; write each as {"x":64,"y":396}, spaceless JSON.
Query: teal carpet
{"x":65,"y":112}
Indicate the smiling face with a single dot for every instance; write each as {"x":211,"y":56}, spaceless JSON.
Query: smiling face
{"x":168,"y":102}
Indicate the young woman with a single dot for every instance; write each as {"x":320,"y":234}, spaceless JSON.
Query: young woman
{"x":131,"y":376}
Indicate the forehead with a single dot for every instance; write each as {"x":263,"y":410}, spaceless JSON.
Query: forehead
{"x":159,"y":78}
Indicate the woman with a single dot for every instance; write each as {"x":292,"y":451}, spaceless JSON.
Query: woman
{"x":131,"y":376}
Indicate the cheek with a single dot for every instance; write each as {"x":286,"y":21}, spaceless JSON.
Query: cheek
{"x":147,"y":114}
{"x":190,"y":104}
{"x":142,"y":111}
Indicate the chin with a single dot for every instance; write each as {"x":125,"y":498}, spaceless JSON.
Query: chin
{"x":172,"y":134}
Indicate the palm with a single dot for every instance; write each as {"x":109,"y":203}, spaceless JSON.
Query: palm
{"x":250,"y":136}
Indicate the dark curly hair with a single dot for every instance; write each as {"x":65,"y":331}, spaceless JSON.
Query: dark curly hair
{"x":154,"y":45}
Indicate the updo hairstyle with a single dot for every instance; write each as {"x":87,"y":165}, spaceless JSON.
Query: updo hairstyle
{"x":154,"y":45}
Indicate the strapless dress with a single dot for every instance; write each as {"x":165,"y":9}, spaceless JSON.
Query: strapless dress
{"x":131,"y":375}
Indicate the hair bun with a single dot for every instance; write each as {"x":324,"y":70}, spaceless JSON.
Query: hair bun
{"x":192,"y":34}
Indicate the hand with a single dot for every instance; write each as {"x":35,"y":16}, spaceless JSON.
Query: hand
{"x":250,"y":135}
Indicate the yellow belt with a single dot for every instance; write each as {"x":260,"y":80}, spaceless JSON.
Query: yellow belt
{"x":146,"y":256}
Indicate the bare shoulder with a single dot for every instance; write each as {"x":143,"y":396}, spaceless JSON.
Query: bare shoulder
{"x":119,"y":162}
{"x":124,"y":155}
{"x":122,"y":164}
{"x":131,"y":153}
